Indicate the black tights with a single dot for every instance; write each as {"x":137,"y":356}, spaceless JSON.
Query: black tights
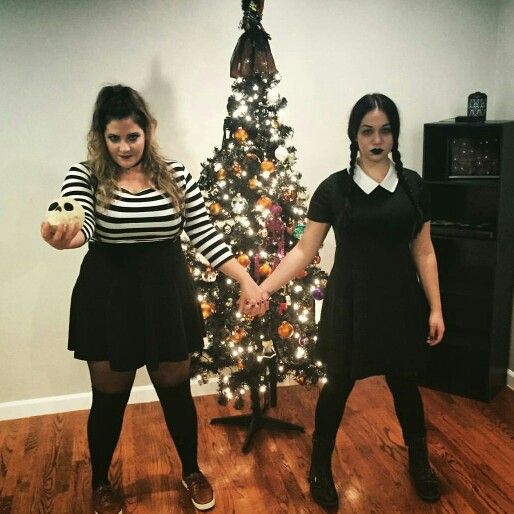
{"x":406,"y":397}
{"x":111,"y":391}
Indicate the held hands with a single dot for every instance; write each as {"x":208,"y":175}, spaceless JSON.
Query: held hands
{"x":253,"y":300}
{"x":435,"y":328}
{"x":63,"y":236}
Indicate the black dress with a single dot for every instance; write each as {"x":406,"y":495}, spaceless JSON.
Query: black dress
{"x":374,"y":318}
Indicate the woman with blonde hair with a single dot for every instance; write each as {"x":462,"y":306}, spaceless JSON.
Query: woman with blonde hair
{"x":134,"y":302}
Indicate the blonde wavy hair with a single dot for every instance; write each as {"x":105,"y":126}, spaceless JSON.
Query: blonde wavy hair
{"x":117,"y":103}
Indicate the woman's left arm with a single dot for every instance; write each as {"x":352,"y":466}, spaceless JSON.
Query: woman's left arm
{"x":426,"y":264}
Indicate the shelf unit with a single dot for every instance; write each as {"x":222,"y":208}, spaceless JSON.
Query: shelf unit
{"x":473,"y":236}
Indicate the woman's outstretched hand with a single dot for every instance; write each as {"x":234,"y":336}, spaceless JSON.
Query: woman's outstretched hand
{"x":62,"y":237}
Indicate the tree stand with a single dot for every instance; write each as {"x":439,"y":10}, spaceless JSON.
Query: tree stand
{"x":257,"y":419}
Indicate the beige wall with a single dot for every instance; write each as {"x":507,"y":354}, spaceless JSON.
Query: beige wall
{"x":54,"y":56}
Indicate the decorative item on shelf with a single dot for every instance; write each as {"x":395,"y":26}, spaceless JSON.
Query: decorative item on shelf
{"x":285,"y":330}
{"x":474,"y":157}
{"x":477,"y":106}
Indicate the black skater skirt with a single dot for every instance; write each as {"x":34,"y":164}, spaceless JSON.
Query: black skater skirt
{"x":135,"y":304}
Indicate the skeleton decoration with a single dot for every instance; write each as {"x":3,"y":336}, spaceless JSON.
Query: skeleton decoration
{"x":65,"y":210}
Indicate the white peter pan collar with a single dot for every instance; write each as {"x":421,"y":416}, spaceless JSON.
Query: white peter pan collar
{"x":367,"y":184}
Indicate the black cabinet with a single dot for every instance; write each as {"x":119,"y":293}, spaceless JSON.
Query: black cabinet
{"x":469,"y":169}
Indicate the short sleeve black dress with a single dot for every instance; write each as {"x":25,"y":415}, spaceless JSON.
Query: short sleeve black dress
{"x":374,"y":318}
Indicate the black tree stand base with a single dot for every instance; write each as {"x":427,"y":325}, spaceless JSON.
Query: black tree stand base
{"x":257,"y":419}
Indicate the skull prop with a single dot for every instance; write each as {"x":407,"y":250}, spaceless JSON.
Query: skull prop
{"x":65,"y":210}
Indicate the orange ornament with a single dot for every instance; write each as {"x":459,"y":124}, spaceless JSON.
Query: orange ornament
{"x":268,"y":166}
{"x":241,"y":135}
{"x":208,"y":309}
{"x":243,"y":259}
{"x":253,"y":183}
{"x":264,"y":202}
{"x":316,"y":260}
{"x":215,"y":208}
{"x":285,"y":330}
{"x":221,"y":174}
{"x":265,"y":269}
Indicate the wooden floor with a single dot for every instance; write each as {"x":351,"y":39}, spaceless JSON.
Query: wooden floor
{"x":44,"y":464}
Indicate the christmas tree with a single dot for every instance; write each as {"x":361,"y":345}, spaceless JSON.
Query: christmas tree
{"x":255,"y":198}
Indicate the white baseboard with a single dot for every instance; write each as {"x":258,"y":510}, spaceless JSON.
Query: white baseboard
{"x":510,"y":379}
{"x":81,"y":401}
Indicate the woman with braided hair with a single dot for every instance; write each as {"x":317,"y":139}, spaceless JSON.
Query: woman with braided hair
{"x":382,"y":308}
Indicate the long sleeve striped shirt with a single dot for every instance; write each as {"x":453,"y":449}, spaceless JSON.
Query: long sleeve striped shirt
{"x":148,"y":215}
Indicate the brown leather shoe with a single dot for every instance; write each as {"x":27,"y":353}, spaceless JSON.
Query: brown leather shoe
{"x":106,"y":500}
{"x":200,"y":491}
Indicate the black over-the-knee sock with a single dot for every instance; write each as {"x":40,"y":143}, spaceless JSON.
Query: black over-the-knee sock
{"x":103,"y":431}
{"x":330,"y":406}
{"x":408,"y":405}
{"x":180,"y":415}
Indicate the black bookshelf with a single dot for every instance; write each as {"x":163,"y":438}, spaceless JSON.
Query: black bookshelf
{"x":469,"y":170}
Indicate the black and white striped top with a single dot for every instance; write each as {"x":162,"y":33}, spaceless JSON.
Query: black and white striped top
{"x":147,"y":215}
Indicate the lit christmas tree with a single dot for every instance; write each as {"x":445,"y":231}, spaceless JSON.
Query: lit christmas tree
{"x":255,"y":198}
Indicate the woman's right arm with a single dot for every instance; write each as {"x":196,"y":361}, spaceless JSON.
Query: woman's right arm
{"x":77,"y":184}
{"x":299,"y":257}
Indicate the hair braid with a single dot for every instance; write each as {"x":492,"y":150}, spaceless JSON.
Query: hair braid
{"x":406,"y":186}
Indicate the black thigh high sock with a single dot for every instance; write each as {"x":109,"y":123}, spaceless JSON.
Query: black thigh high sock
{"x":180,"y":415}
{"x":103,"y":431}
{"x":330,"y":406}
{"x":408,"y":405}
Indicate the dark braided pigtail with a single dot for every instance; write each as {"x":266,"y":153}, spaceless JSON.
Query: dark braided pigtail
{"x":354,"y":150}
{"x":406,"y":186}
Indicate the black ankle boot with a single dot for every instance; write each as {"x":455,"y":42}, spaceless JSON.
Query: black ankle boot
{"x":423,"y":476}
{"x":320,"y":475}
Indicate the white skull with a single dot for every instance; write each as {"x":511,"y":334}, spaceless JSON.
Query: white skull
{"x":65,"y":210}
